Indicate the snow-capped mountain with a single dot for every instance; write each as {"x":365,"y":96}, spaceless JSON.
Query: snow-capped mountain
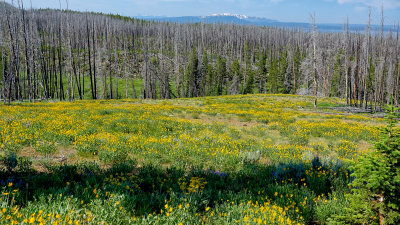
{"x":228,"y":18}
{"x":229,"y":14}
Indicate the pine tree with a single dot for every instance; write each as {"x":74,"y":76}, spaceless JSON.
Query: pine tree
{"x":283,"y":65}
{"x":210,"y":80}
{"x":262,"y":71}
{"x":236,"y":78}
{"x":221,"y":75}
{"x":249,"y":86}
{"x":376,"y":197}
{"x":192,"y":76}
{"x":204,"y":73}
{"x":296,"y":68}
{"x":273,"y":78}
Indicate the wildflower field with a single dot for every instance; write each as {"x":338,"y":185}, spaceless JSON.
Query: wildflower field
{"x":253,"y":159}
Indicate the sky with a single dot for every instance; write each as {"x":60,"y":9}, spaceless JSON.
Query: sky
{"x":326,"y":11}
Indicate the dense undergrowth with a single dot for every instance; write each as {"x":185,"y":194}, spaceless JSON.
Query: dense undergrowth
{"x":257,"y":159}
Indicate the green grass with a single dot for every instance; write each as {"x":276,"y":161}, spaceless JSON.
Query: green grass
{"x":215,"y":160}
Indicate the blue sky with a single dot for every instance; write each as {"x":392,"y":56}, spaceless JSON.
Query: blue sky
{"x":326,"y":11}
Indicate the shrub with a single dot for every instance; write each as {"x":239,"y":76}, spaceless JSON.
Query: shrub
{"x":113,"y":156}
{"x":24,"y":165}
{"x":10,"y":160}
{"x":195,"y":115}
{"x":299,"y":138}
{"x":346,"y":149}
{"x":46,"y":147}
{"x":325,"y":208}
{"x":289,"y":171}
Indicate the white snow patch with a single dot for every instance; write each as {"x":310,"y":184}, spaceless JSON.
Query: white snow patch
{"x":229,"y":14}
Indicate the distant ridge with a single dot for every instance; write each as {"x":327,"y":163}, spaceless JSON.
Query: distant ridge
{"x":7,"y":6}
{"x":228,"y":18}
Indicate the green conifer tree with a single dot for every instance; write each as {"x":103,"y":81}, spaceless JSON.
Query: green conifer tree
{"x":376,"y":187}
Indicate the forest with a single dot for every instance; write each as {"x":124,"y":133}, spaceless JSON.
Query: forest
{"x":67,"y":55}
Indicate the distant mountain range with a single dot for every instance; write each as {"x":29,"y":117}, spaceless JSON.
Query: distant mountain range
{"x":227,"y":18}
{"x":215,"y":18}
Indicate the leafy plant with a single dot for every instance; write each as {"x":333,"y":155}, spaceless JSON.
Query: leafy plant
{"x":252,"y":157}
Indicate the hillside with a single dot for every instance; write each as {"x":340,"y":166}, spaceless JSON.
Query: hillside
{"x":216,"y":160}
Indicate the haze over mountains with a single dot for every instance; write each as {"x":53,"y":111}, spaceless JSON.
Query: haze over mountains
{"x":227,"y":18}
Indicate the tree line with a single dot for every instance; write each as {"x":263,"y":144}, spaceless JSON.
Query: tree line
{"x":66,"y":55}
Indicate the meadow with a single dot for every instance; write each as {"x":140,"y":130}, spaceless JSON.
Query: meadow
{"x":252,"y":159}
